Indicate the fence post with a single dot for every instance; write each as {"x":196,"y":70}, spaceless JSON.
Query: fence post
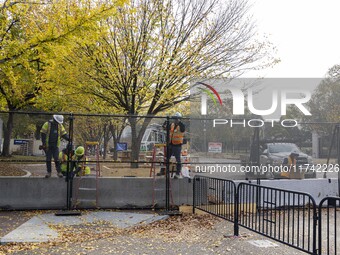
{"x":167,"y":169}
{"x":315,"y":223}
{"x":320,"y":227}
{"x":338,"y":154}
{"x":69,"y":176}
{"x":236,"y":226}
{"x":194,"y":196}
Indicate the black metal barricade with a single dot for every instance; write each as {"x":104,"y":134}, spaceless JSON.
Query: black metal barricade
{"x":286,"y":216}
{"x":217,"y":197}
{"x":289,"y":217}
{"x":329,"y":228}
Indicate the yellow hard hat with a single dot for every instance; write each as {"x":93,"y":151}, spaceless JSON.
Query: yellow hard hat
{"x":79,"y":151}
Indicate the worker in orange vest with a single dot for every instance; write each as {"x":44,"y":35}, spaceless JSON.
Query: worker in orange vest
{"x":177,"y":129}
{"x":291,"y":163}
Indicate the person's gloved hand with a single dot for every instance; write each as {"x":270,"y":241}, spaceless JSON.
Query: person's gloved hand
{"x":43,"y":147}
{"x":66,"y":137}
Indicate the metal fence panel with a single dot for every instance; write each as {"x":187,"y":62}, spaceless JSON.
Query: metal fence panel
{"x":285,"y":216}
{"x":215,"y":196}
{"x":329,"y":228}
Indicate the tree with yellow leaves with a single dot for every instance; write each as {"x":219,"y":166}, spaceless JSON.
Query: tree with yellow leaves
{"x":32,"y":34}
{"x":152,"y":50}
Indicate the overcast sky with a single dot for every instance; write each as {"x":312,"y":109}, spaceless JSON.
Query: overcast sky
{"x":306,"y":34}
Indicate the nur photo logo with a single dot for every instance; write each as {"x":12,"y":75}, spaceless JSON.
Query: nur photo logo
{"x":286,"y":97}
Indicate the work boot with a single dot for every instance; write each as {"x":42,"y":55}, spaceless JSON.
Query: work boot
{"x":48,"y":175}
{"x":161,"y":172}
{"x":60,"y":175}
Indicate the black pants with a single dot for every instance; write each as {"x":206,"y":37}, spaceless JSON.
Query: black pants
{"x":52,"y":152}
{"x":175,"y":150}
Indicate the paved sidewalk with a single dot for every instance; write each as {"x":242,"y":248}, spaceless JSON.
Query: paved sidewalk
{"x":109,"y":232}
{"x":39,"y":228}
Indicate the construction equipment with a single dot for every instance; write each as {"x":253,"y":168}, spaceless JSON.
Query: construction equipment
{"x":87,"y":184}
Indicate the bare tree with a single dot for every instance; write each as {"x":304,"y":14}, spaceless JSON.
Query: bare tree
{"x":155,"y":48}
{"x":324,"y":104}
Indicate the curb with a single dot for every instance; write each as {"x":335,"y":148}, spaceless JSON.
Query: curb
{"x":28,"y":174}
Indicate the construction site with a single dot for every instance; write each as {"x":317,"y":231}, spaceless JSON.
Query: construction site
{"x":238,"y":177}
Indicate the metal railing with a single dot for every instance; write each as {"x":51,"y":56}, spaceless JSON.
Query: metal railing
{"x":329,"y":236}
{"x":288,"y":217}
{"x":217,"y":197}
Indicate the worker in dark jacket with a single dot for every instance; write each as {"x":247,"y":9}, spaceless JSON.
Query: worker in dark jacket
{"x":51,"y":133}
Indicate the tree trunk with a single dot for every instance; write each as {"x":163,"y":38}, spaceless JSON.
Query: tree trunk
{"x":106,"y":141}
{"x":107,"y":137}
{"x":115,"y":152}
{"x":136,"y":139}
{"x":116,"y":133}
{"x":8,"y":135}
{"x":135,"y":148}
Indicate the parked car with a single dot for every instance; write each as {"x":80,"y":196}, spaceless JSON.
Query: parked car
{"x":276,"y":154}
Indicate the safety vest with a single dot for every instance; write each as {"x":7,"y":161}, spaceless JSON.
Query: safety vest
{"x":85,"y":170}
{"x":291,"y":162}
{"x":176,"y":136}
{"x":291,"y":165}
{"x":46,"y":129}
{"x":63,"y":161}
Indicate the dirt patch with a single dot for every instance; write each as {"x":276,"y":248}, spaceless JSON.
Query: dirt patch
{"x":121,"y":170}
{"x":9,"y":220}
{"x":107,"y":169}
{"x":188,"y":228}
{"x":20,"y":165}
{"x":11,"y":170}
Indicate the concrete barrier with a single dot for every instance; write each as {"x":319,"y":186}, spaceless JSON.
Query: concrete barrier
{"x":317,"y":188}
{"x":32,"y":193}
{"x":129,"y":192}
